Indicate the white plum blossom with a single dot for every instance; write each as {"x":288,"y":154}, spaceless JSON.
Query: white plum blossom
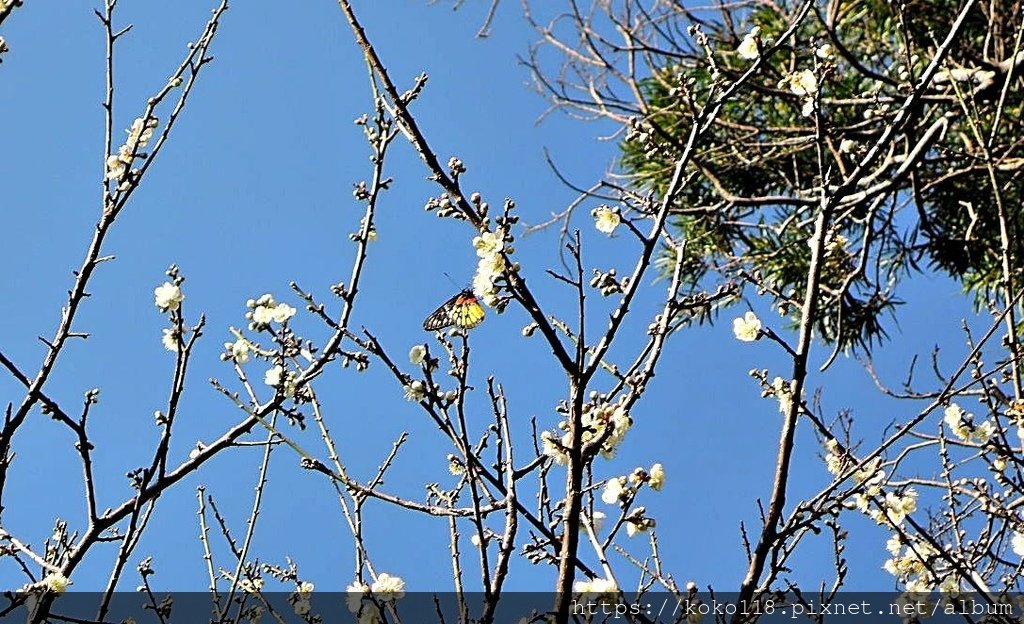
{"x":415,"y":391}
{"x":251,"y":586}
{"x":597,"y":589}
{"x":282,"y":312}
{"x":56,"y":582}
{"x":388,"y":587}
{"x":606,"y":219}
{"x":803,"y":83}
{"x":894,"y":544}
{"x":139,"y":134}
{"x":620,"y":422}
{"x":490,"y":247}
{"x":266,"y":310}
{"x":492,"y":265}
{"x":836,"y":459}
{"x":913,"y":567}
{"x":638,"y":523}
{"x":263,"y":315}
{"x":954,"y":417}
{"x":961,"y":425}
{"x":871,"y":473}
{"x":273,"y":376}
{"x":920,"y":585}
{"x":170,"y":339}
{"x":950,"y":585}
{"x":277,"y":377}
{"x":747,"y":328}
{"x":748,"y":48}
{"x":117,"y":165}
{"x":239,"y":350}
{"x":984,"y":431}
{"x":370,"y":616}
{"x":898,"y":507}
{"x":551,"y":447}
{"x":604,"y":422}
{"x":614,"y":490}
{"x":487,"y":244}
{"x":783,"y":391}
{"x":354,"y":595}
{"x":1017,"y":543}
{"x":597,"y":520}
{"x":657,"y":477}
{"x":168,"y":297}
{"x":301,"y":605}
{"x":417,"y":354}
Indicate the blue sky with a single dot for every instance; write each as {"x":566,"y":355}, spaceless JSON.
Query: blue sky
{"x":254,"y":191}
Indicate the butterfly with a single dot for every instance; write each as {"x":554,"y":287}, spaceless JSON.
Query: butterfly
{"x":463,"y":310}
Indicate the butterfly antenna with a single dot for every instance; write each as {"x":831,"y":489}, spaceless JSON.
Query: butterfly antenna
{"x":454,"y":283}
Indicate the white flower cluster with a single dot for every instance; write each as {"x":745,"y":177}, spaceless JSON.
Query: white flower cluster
{"x":749,"y":48}
{"x":387,"y":588}
{"x":894,"y":508}
{"x":1017,"y":543}
{"x":603,"y":421}
{"x":490,"y":248}
{"x":598,"y":589}
{"x":805,"y":84}
{"x":264,"y":311}
{"x":1016,"y":412}
{"x":615,"y":491}
{"x":172,"y":339}
{"x":300,"y":599}
{"x":138,"y":137}
{"x":238,"y":351}
{"x":278,"y":377}
{"x":870,"y":477}
{"x":656,"y":477}
{"x":596,"y":520}
{"x":251,"y":586}
{"x":835,"y":459}
{"x":415,"y":391}
{"x":168,"y":297}
{"x":638,"y":522}
{"x":783,"y":391}
{"x":962,"y":425}
{"x":747,"y":328}
{"x":619,"y":490}
{"x":606,"y":219}
{"x":56,"y":582}
{"x":916,"y":568}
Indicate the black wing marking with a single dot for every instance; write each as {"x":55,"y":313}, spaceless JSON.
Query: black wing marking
{"x":442,"y":316}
